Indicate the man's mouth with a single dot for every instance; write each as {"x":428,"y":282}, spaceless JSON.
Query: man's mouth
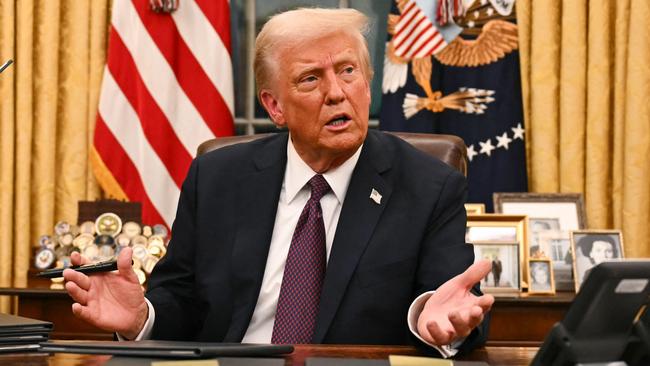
{"x":338,"y":120}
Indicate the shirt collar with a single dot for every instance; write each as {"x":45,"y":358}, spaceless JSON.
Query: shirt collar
{"x":298,"y":173}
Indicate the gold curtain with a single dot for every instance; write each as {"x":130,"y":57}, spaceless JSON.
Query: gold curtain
{"x":48,"y":102}
{"x":586,"y":84}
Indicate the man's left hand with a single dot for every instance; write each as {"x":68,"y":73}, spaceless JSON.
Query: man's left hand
{"x":453,"y":311}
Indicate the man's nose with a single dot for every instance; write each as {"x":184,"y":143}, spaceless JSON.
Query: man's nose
{"x":333,"y":91}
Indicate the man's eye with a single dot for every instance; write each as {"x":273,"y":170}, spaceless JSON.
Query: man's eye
{"x":348,"y":70}
{"x":308,"y":79}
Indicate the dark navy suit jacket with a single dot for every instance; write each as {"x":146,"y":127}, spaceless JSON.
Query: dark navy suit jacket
{"x":382,"y":257}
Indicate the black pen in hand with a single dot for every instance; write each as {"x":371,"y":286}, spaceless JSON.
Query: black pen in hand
{"x":86,"y":269}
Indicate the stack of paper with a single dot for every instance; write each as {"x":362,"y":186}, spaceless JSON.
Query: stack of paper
{"x":19,"y":334}
{"x":166,"y":349}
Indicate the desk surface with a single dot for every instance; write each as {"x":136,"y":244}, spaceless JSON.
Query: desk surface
{"x":506,"y":356}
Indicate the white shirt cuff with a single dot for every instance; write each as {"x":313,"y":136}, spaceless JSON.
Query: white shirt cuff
{"x":145,"y":333}
{"x":414,"y":313}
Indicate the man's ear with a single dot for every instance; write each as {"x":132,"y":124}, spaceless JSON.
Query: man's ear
{"x":273,"y":107}
{"x":368,"y":91}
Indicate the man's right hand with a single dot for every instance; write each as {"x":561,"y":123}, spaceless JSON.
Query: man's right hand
{"x":113,"y":301}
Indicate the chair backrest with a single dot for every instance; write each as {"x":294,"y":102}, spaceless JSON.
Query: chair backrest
{"x":448,"y":148}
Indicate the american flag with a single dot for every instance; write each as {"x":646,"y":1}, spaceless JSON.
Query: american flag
{"x":167,"y":87}
{"x":415,"y":34}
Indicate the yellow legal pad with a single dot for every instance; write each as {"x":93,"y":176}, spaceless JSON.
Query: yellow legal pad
{"x":186,"y":363}
{"x":396,"y":360}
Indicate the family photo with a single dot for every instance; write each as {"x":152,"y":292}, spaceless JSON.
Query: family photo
{"x":592,"y":248}
{"x":540,"y":274}
{"x":504,"y":275}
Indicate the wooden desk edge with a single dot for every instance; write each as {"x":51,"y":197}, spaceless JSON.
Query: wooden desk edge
{"x":506,"y":356}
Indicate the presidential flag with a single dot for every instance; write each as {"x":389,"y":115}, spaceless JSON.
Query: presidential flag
{"x":452,"y":67}
{"x":166,"y":88}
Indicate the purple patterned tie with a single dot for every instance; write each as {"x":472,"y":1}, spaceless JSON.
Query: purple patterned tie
{"x":295,"y":318}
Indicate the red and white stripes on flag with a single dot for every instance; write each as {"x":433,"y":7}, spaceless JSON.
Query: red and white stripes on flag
{"x":415,"y":35}
{"x":167,"y":87}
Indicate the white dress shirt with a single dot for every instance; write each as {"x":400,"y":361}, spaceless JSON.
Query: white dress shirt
{"x":293,"y":196}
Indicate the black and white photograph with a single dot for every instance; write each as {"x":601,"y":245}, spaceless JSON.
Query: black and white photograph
{"x":555,"y":245}
{"x":504,"y":277}
{"x":540,"y":275}
{"x":592,"y":247}
{"x":540,"y":226}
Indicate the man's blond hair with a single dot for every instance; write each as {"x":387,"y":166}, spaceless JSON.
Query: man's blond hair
{"x":295,"y":26}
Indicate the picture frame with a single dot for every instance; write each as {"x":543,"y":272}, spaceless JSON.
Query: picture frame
{"x":568,"y":208}
{"x":499,"y":228}
{"x":540,"y":274}
{"x":592,"y":247}
{"x":505,"y":277}
{"x":475,"y":208}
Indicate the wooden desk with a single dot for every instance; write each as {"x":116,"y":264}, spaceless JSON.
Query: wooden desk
{"x":525,"y":320}
{"x":521,"y":321}
{"x":506,"y":356}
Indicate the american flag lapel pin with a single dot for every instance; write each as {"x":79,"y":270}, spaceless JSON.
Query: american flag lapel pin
{"x":375,"y":196}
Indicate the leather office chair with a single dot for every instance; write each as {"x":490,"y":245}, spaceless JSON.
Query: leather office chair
{"x":447,"y":148}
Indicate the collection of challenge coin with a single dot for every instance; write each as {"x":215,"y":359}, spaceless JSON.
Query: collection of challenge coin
{"x":102,"y":240}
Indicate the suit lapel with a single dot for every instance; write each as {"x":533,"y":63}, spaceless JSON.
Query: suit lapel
{"x":258,"y":199}
{"x":359,"y":216}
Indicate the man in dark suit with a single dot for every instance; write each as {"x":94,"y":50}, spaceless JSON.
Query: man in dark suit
{"x":497,"y":268}
{"x":390,"y":222}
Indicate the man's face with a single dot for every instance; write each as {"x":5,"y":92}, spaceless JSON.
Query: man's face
{"x":540,"y":275}
{"x":322,"y":95}
{"x":600,"y":251}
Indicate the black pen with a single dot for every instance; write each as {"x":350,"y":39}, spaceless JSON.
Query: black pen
{"x":86,"y":269}
{"x":6,"y":64}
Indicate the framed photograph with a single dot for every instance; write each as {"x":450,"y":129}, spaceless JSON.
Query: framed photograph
{"x":539,"y":227}
{"x":540,"y":274}
{"x":592,"y":247}
{"x":556,"y":246}
{"x":475,"y":208}
{"x":568,"y":208}
{"x":504,"y":278}
{"x":496,"y":228}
